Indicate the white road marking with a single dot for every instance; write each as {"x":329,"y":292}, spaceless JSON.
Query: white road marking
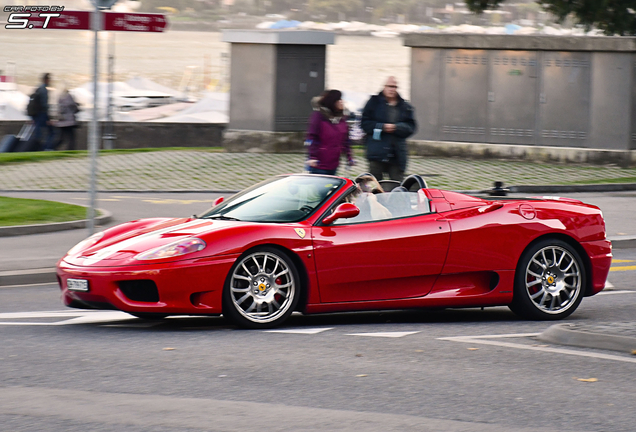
{"x":27,"y":285}
{"x":385,"y":334}
{"x":608,"y":284}
{"x":301,"y":330}
{"x":66,"y":317}
{"x":24,"y":323}
{"x":102,"y":317}
{"x":44,"y":314}
{"x":482,"y":340}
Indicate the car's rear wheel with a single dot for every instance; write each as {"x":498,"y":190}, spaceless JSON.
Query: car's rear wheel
{"x":549,"y":281}
{"x":262,"y":289}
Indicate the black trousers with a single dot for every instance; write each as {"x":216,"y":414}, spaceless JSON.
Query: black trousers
{"x":378,"y":169}
{"x":66,"y":133}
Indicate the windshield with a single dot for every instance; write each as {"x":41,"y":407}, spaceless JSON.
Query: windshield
{"x":281,"y":199}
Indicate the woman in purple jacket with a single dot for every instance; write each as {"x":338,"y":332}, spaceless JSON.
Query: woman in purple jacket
{"x":328,"y":135}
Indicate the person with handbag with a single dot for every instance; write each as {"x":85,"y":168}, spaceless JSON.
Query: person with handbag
{"x":328,"y":135}
{"x":67,"y":122}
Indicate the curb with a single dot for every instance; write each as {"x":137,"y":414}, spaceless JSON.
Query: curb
{"x":607,"y":187}
{"x":521,"y":152}
{"x":623,"y":242}
{"x":591,"y":336}
{"x":28,"y":277}
{"x":18,"y":230}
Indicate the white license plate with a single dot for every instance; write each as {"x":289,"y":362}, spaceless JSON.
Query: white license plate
{"x":77,"y":284}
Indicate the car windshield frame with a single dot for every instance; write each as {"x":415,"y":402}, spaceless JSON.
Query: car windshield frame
{"x":280,"y":199}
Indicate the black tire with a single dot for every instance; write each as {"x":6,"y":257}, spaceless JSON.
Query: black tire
{"x":549,"y":281}
{"x":149,"y":316}
{"x":262,"y":278}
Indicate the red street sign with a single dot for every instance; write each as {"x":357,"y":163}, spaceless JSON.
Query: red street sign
{"x":69,"y":20}
{"x":118,"y":21}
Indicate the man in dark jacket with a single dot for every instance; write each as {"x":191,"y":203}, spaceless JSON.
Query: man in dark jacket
{"x":388,"y":120}
{"x":41,"y":119}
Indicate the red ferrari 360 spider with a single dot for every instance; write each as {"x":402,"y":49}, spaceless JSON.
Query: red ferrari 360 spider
{"x":315,"y":244}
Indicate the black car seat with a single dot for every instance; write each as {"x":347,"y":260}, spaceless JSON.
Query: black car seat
{"x":414,"y":183}
{"x":389,"y":185}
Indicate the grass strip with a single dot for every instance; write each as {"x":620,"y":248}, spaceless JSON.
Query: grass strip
{"x":14,"y":158}
{"x":22,"y":211}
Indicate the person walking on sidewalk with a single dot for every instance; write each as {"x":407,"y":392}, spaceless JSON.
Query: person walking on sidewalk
{"x":328,"y":135}
{"x":67,"y":123}
{"x":38,"y":110}
{"x":387,"y":120}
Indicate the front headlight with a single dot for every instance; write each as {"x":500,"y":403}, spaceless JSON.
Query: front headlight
{"x":178,"y":248}
{"x":86,"y":243}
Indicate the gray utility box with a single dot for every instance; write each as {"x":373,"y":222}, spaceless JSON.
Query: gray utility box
{"x":533,"y":90}
{"x":273,"y":77}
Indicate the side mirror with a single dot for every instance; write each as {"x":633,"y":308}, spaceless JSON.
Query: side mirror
{"x":343,"y":211}
{"x":218,"y":201}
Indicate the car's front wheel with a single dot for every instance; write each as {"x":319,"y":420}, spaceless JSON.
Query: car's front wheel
{"x":549,"y":282}
{"x":262,"y":289}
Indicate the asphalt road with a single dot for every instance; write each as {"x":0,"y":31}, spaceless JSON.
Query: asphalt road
{"x":72,"y":370}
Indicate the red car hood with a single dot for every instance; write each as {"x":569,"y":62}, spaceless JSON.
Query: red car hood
{"x":122,"y":243}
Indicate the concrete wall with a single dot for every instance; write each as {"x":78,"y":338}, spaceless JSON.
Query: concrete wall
{"x":273,"y":77}
{"x":612,"y":105}
{"x":148,"y":134}
{"x":525,"y":90}
{"x":271,"y":86}
{"x":425,"y":91}
{"x":525,"y":153}
{"x":252,"y":84}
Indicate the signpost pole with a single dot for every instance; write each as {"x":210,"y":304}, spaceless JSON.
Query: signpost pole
{"x":93,"y":131}
{"x":109,"y":129}
{"x":97,"y":20}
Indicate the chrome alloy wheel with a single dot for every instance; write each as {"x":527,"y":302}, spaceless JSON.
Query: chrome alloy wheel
{"x":553,"y":279}
{"x":262,"y":287}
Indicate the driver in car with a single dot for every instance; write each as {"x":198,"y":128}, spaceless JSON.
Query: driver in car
{"x":366,"y":201}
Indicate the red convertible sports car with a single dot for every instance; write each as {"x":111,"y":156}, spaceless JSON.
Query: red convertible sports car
{"x":314,"y":244}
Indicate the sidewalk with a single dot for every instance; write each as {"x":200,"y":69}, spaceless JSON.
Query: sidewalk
{"x":206,"y":170}
{"x":613,"y":336}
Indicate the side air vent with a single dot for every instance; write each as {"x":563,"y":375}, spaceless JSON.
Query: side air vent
{"x":140,"y":290}
{"x":494,"y":281}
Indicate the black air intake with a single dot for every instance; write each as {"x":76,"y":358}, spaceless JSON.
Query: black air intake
{"x":140,"y":290}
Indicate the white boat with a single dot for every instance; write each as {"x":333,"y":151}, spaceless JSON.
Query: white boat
{"x":385,"y":34}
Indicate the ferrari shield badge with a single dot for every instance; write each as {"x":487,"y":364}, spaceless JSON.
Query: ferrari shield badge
{"x":300,"y":232}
